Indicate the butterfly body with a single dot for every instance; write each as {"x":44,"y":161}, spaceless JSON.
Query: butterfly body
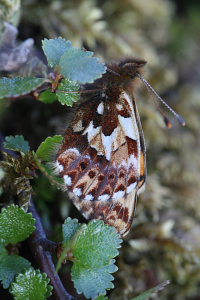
{"x":102,"y":159}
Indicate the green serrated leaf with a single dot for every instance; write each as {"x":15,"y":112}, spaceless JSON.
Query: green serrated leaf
{"x":93,"y":250}
{"x":65,"y":92}
{"x":97,"y":242}
{"x":69,"y":229}
{"x":51,"y":144}
{"x":85,"y":280}
{"x":54,"y":49}
{"x":18,"y":86}
{"x":10,"y":265}
{"x":48,"y":97}
{"x":15,"y":224}
{"x":16,"y":143}
{"x":3,"y":250}
{"x":79,"y":65}
{"x":32,"y":285}
{"x":151,"y":292}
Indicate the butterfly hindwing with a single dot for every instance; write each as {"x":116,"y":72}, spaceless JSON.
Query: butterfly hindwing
{"x":101,"y":159}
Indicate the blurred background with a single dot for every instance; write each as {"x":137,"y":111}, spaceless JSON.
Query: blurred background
{"x":164,"y":242}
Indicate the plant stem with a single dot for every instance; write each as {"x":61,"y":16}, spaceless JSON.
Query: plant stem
{"x":44,"y":259}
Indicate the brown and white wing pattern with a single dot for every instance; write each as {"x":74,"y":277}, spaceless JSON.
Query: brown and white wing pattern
{"x":102,"y":159}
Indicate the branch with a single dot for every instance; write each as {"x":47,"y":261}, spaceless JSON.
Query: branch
{"x":44,"y":258}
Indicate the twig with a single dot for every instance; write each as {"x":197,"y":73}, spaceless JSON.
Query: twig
{"x":44,"y":259}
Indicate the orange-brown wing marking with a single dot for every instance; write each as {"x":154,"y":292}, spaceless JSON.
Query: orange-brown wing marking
{"x":102,"y":160}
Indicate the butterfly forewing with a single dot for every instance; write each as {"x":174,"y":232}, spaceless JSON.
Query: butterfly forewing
{"x":102,"y":158}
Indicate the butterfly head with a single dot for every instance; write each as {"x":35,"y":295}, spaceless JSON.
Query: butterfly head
{"x":131,"y":66}
{"x":126,"y":71}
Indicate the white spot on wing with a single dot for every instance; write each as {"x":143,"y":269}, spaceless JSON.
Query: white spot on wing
{"x":100,"y":108}
{"x":75,"y":150}
{"x":89,"y":197}
{"x":118,"y":195}
{"x":133,"y":132}
{"x":108,"y":141}
{"x":91,"y":131}
{"x":119,"y":106}
{"x":58,"y":167}
{"x":123,"y":164}
{"x":104,"y":197}
{"x":131,"y":187}
{"x":77,"y":192}
{"x":78,"y":126}
{"x":67,"y":180}
{"x":127,"y":126}
{"x":133,"y":161}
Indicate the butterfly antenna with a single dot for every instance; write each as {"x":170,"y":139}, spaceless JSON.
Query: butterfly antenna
{"x":149,"y":87}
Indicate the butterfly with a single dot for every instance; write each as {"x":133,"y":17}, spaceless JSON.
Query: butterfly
{"x":102,"y":159}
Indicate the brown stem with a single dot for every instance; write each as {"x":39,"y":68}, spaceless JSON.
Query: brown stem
{"x":44,"y":259}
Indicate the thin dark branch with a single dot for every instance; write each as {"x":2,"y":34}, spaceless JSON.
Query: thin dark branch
{"x":44,"y":259}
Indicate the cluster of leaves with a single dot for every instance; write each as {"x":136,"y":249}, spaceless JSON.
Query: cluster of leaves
{"x":72,"y":67}
{"x":88,"y":245}
{"x":91,"y":247}
{"x":20,"y":168}
{"x":16,"y":272}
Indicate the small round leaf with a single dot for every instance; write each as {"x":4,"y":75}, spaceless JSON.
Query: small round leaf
{"x":68,"y":92}
{"x":10,"y":265}
{"x":94,"y":248}
{"x":18,"y":86}
{"x":15,"y":224}
{"x":48,"y":146}
{"x":31,"y":285}
{"x":79,"y":65}
{"x":54,"y":49}
{"x":16,"y":143}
